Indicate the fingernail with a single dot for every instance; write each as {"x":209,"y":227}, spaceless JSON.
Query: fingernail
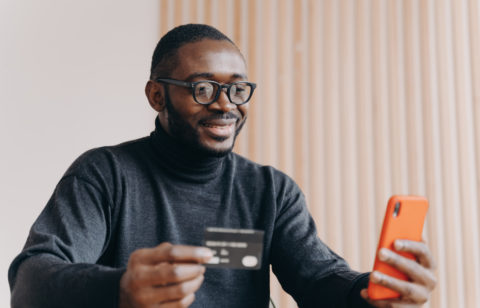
{"x":399,"y":244}
{"x":204,"y":253}
{"x":383,"y":254}
{"x":376,"y":276}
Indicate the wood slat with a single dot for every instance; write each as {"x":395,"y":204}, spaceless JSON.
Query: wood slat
{"x":466,"y":156}
{"x":364,"y":208}
{"x":348,"y":110}
{"x":361,"y":99}
{"x":452,"y":222}
{"x":433,"y":171}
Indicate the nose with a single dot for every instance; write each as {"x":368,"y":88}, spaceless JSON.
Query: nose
{"x":222,"y":104}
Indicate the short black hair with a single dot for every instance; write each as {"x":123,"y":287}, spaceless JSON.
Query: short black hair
{"x":164,"y":60}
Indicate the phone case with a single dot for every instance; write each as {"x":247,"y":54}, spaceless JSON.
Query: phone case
{"x":404,"y":219}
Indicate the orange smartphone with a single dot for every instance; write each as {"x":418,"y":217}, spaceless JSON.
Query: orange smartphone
{"x":404,"y":219}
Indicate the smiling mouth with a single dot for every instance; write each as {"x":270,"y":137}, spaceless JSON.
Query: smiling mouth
{"x":217,"y":130}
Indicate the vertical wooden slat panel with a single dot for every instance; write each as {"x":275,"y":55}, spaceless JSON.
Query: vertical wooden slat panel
{"x":208,"y":11}
{"x":164,"y":27}
{"x":171,"y":14}
{"x":178,"y":12}
{"x":269,"y":84}
{"x":466,"y":158}
{"x":317,"y":150}
{"x":254,"y":140}
{"x":186,"y":7}
{"x":397,"y":125}
{"x":201,"y":5}
{"x":221,"y":16}
{"x":449,"y":156}
{"x":347,"y":110}
{"x":230,"y":17}
{"x":214,"y":16}
{"x":193,"y":12}
{"x":361,"y":99}
{"x":239,"y":35}
{"x":474,"y":30}
{"x":305,"y":105}
{"x":435,"y":218}
{"x":285,"y":86}
{"x":297,"y":83}
{"x":365,"y":208}
{"x":381,"y":155}
{"x":331,"y":119}
{"x":259,"y":109}
{"x":413,"y":86}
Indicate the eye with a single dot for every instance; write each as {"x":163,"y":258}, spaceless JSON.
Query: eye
{"x":240,"y":89}
{"x":204,"y":89}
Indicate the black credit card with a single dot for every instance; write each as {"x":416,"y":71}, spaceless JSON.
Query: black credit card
{"x":234,"y":248}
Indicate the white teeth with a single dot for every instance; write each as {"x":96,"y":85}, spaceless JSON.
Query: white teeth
{"x":210,"y":125}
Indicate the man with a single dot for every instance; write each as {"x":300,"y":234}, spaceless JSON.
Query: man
{"x":124,"y":226}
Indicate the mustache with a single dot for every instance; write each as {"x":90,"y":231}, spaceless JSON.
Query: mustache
{"x":221,"y":116}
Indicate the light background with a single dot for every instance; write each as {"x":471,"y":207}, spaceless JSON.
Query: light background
{"x":72,"y":77}
{"x":357,"y":100}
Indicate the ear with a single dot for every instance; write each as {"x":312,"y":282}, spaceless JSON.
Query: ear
{"x":155,"y":95}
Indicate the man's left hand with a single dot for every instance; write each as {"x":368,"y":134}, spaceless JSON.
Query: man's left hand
{"x":416,"y":291}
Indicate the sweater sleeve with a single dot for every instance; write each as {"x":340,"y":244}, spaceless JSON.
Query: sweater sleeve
{"x":307,"y":269}
{"x":59,"y":266}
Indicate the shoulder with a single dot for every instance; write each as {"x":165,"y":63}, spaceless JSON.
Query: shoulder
{"x":105,"y":161}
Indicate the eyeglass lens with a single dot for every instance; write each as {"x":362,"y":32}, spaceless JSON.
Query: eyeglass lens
{"x":205,"y":92}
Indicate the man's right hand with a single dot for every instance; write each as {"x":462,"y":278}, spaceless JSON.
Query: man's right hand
{"x":164,"y":276}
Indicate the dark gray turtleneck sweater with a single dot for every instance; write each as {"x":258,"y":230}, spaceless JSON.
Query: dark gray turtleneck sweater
{"x":114,"y":200}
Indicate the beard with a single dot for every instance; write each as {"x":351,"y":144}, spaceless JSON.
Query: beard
{"x":188,"y":136}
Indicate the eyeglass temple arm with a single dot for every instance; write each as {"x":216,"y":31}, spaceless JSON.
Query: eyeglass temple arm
{"x":175,"y":82}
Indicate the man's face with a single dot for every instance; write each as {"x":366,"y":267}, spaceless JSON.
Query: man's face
{"x":210,"y":128}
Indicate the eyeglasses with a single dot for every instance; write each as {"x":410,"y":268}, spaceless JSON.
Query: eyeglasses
{"x":205,"y":92}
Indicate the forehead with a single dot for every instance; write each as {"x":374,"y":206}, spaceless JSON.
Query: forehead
{"x":219,"y":58}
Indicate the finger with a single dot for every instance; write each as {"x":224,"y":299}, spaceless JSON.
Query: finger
{"x":376,"y":303}
{"x":184,"y":302}
{"x":167,"y":273}
{"x":174,"y":292}
{"x":412,"y":269}
{"x":364,"y":294}
{"x":182,"y":253}
{"x":408,"y":291}
{"x":419,"y":249}
{"x":167,"y":252}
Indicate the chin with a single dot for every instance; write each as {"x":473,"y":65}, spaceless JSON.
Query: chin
{"x":220,"y":153}
{"x":216,"y":150}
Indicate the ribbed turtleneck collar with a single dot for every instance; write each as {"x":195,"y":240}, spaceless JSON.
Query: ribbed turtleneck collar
{"x":181,"y":160}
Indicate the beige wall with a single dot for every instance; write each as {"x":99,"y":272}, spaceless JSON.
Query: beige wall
{"x":362,"y":99}
{"x":72,"y":76}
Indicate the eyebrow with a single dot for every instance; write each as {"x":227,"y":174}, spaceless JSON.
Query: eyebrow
{"x":210,"y":75}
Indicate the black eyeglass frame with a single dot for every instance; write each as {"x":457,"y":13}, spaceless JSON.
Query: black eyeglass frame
{"x":227,"y":86}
